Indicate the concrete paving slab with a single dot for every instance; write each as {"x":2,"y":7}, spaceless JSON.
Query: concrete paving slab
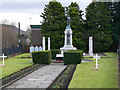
{"x":40,"y":78}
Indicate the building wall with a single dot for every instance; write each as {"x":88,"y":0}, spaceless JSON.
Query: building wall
{"x":0,"y":40}
{"x":36,"y":37}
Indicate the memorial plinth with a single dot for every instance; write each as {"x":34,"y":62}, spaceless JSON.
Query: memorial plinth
{"x":90,"y":46}
{"x":68,"y":40}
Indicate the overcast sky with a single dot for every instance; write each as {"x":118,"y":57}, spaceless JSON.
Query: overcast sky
{"x":22,"y":10}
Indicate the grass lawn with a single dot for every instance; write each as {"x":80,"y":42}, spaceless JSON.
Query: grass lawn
{"x":14,"y":64}
{"x":106,"y":77}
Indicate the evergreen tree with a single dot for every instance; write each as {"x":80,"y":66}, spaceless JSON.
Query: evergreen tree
{"x":115,"y":24}
{"x":73,"y":10}
{"x":114,"y":7}
{"x":54,"y":22}
{"x":99,"y":26}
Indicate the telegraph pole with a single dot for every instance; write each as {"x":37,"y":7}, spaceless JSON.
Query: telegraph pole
{"x":19,"y":33}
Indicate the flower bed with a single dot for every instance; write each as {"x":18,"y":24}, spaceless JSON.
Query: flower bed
{"x":10,"y":78}
{"x":11,"y":56}
{"x":63,"y":80}
{"x":25,"y":57}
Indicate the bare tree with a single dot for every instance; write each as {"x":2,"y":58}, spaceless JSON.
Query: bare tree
{"x":6,"y":22}
{"x":12,"y":23}
{"x":9,"y":37}
{"x":28,"y":36}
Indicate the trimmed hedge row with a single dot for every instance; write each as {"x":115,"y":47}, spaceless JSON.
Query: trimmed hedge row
{"x":45,"y":57}
{"x":73,"y":57}
{"x":54,"y":52}
{"x":81,"y":52}
{"x":42,"y":57}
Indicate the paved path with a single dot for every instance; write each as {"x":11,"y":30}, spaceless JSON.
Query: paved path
{"x":40,"y":78}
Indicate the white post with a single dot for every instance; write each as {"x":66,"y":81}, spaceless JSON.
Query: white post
{"x":43,"y":43}
{"x":48,"y":43}
{"x":90,"y":46}
{"x":3,"y":58}
{"x":96,"y":61}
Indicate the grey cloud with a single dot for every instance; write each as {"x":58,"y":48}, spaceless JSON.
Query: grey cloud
{"x":15,"y":6}
{"x":32,"y":7}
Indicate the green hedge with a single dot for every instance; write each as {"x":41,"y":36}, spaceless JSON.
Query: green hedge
{"x":73,"y":57}
{"x":54,"y":52}
{"x":41,"y":57}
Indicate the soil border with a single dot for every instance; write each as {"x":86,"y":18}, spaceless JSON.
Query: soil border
{"x":64,"y":78}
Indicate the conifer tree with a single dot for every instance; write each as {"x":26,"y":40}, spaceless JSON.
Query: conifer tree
{"x":77,"y":25}
{"x":98,"y":22}
{"x":54,"y":22}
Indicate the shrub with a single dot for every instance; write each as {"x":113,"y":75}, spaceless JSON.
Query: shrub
{"x":73,"y":57}
{"x":54,"y":52}
{"x":41,"y":57}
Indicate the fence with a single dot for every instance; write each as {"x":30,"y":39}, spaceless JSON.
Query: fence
{"x":12,"y":50}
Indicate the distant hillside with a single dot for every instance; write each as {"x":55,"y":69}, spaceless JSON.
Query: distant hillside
{"x":13,"y":27}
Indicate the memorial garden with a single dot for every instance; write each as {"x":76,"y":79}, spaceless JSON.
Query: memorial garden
{"x":72,"y":52}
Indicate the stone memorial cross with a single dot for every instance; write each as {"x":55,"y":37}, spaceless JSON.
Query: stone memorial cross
{"x":96,"y":57}
{"x":3,"y":59}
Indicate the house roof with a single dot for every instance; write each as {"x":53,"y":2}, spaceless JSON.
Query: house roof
{"x":36,"y":26}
